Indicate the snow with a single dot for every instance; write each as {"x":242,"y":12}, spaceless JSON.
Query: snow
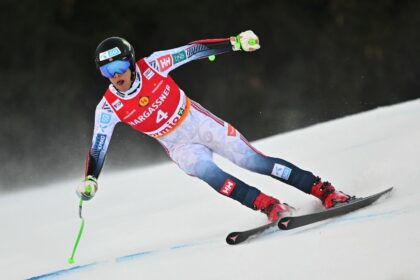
{"x":157,"y":223}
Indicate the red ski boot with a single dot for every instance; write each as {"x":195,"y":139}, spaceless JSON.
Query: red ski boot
{"x":271,"y":207}
{"x":327,"y":193}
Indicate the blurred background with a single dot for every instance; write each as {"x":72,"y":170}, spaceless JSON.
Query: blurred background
{"x":320,"y":60}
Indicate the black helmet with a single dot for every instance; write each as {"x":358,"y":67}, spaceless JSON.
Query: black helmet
{"x":114,"y":48}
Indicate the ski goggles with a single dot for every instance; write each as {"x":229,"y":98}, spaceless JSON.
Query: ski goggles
{"x":118,"y":66}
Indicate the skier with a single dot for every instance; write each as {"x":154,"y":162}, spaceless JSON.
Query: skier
{"x":143,"y":95}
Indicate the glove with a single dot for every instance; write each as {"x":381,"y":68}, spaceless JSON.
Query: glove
{"x":87,"y":188}
{"x":246,"y":41}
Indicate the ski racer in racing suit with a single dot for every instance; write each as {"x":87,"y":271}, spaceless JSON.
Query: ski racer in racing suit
{"x":143,"y":95}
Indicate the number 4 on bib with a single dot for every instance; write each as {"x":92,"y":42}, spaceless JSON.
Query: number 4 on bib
{"x":161,"y":116}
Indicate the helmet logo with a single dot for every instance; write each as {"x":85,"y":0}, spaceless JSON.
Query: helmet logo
{"x":109,"y":53}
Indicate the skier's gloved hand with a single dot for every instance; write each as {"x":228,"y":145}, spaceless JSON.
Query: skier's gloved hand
{"x":87,"y":188}
{"x":246,"y":41}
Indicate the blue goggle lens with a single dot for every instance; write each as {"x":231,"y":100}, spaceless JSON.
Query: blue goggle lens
{"x":118,"y":66}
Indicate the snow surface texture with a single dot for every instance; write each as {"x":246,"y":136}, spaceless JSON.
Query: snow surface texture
{"x":157,"y":223}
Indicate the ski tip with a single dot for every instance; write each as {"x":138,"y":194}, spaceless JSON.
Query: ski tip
{"x":384,"y":192}
{"x":232,"y":238}
{"x":387,"y":192}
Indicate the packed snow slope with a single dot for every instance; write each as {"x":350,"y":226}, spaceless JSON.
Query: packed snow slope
{"x":158,"y":223}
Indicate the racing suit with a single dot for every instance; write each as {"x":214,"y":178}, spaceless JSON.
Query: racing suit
{"x":157,"y":106}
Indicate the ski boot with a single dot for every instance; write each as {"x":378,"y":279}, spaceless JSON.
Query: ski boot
{"x":327,"y":193}
{"x":272,"y":207}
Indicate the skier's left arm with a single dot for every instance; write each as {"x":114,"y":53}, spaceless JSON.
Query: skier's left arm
{"x":168,"y":60}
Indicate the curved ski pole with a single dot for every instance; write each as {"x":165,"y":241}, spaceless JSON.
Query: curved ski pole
{"x":82,"y":225}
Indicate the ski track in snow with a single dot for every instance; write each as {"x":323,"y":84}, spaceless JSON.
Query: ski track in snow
{"x":157,"y":223}
{"x":132,"y":257}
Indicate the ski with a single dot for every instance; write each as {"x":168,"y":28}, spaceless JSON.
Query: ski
{"x":288,"y":223}
{"x":293,"y":222}
{"x":241,"y":236}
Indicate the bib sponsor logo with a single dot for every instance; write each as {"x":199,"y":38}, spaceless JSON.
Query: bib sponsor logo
{"x":165,"y":62}
{"x":109,"y":53}
{"x":149,"y":73}
{"x":168,"y":126}
{"x":180,"y":111}
{"x":129,"y":114}
{"x":281,"y":171}
{"x":152,"y":108}
{"x":144,"y":101}
{"x":156,"y":87}
{"x":228,"y":187}
{"x":117,"y":104}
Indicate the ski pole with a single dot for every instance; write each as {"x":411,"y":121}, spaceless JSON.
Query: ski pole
{"x":82,"y":225}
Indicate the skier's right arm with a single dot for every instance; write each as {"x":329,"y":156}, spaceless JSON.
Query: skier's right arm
{"x":105,"y":121}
